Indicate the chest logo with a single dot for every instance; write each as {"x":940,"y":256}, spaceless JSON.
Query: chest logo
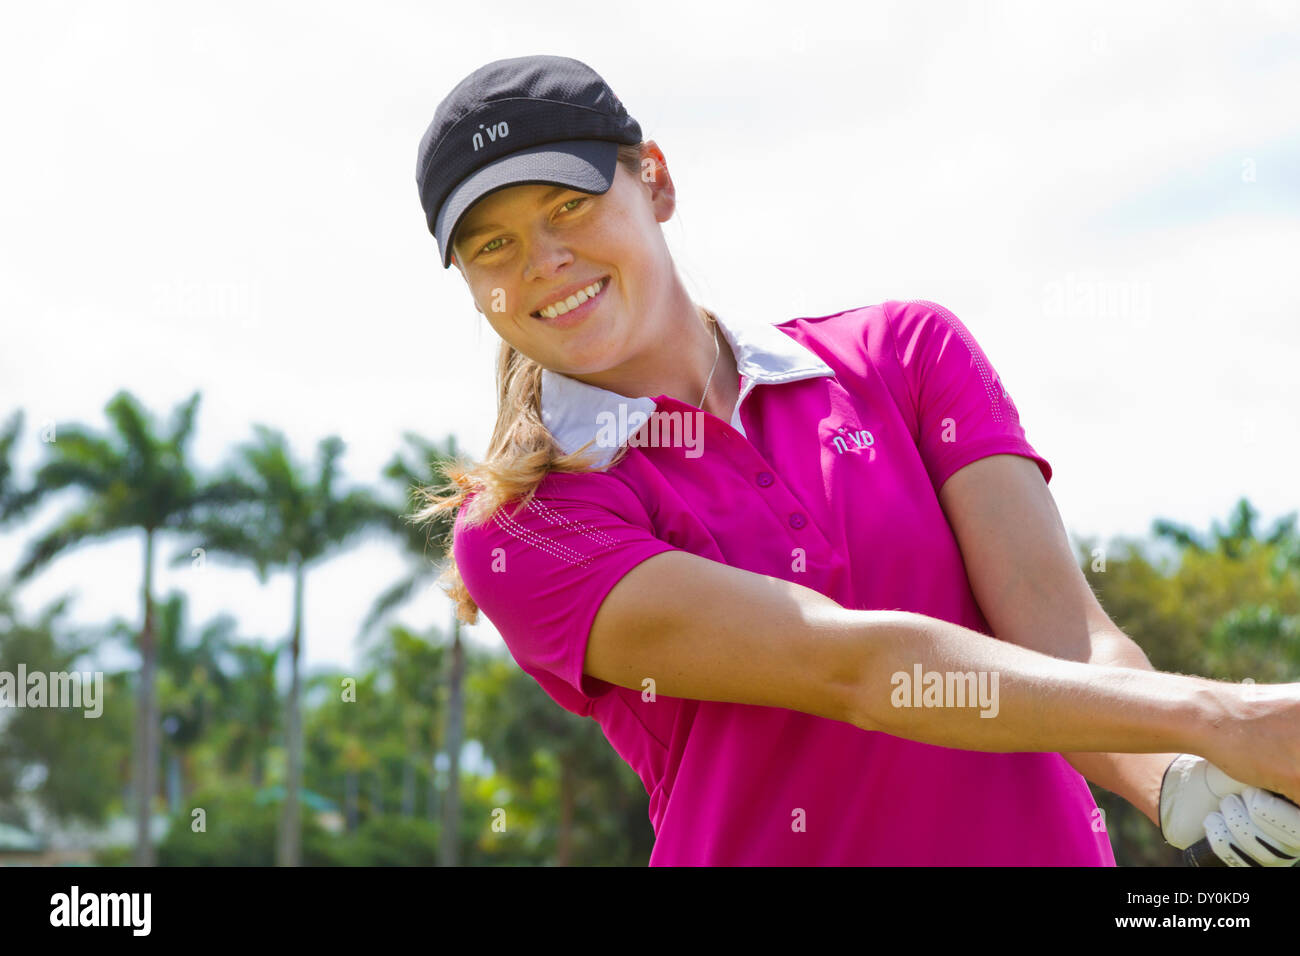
{"x":846,"y":439}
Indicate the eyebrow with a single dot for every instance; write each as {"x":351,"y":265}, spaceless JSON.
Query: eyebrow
{"x":463,"y":237}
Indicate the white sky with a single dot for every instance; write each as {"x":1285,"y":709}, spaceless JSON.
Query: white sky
{"x":222,"y":197}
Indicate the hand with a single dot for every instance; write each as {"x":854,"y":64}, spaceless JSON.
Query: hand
{"x":1255,"y":828}
{"x":1253,"y":736}
{"x":1192,"y":790}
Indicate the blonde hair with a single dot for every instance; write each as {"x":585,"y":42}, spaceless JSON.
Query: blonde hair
{"x":521,"y":453}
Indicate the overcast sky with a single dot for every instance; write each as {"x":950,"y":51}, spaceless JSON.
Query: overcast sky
{"x":221,"y":197}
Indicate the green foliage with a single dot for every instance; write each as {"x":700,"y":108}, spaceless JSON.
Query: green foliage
{"x":241,"y":831}
{"x":67,"y":760}
{"x":112,"y":856}
{"x":1227,"y":607}
{"x":238,"y":832}
{"x":391,"y":841}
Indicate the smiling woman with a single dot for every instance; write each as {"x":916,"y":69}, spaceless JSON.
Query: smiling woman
{"x":522,"y":450}
{"x":739,"y":612}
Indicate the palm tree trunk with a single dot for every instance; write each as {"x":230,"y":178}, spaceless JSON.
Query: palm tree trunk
{"x":146,"y":731}
{"x":431,"y":809}
{"x":448,"y":846}
{"x":290,"y":832}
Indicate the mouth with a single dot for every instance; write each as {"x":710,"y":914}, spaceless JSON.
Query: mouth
{"x":582,"y":301}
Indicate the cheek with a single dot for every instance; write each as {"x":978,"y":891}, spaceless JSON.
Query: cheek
{"x":494,"y":299}
{"x":627,"y":240}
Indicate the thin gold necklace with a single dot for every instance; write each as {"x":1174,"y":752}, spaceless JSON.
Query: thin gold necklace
{"x":718,"y":354}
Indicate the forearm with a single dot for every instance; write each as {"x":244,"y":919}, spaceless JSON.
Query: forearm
{"x":1041,"y":703}
{"x":1135,"y":777}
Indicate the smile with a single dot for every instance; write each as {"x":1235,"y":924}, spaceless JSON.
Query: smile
{"x":556,"y":309}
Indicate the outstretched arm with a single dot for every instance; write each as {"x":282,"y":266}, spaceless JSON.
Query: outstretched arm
{"x":1032,"y":593}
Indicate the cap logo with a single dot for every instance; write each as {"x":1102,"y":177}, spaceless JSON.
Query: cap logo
{"x":499,"y":130}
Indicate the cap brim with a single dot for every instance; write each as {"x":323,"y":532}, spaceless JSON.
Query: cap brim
{"x":584,"y":164}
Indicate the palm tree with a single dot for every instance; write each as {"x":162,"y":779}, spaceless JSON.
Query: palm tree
{"x":133,"y":480}
{"x":249,"y":719}
{"x":284,"y":520}
{"x":411,"y":666}
{"x":14,"y":501}
{"x":427,"y":546}
{"x":194,"y":686}
{"x":1233,"y":541}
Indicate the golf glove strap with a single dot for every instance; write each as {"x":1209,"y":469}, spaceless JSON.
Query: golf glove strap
{"x":1255,"y":828}
{"x":1192,"y":789}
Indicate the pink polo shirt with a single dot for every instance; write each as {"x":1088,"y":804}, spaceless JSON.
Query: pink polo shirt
{"x":827,"y":475}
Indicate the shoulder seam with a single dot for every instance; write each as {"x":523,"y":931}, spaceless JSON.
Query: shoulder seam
{"x":986,"y":373}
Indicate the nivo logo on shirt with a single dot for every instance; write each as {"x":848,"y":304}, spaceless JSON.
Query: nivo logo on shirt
{"x":851,"y":440}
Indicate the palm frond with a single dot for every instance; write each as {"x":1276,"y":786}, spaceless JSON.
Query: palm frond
{"x":73,"y":530}
{"x":64,"y":473}
{"x":328,"y":453}
{"x":182,"y":424}
{"x":394,"y":597}
{"x":132,"y":423}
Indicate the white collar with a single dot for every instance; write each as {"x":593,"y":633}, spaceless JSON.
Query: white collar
{"x":764,"y":356}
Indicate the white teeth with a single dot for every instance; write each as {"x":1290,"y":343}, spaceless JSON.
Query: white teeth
{"x":573,"y":301}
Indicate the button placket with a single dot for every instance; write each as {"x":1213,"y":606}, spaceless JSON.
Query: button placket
{"x":736,"y":452}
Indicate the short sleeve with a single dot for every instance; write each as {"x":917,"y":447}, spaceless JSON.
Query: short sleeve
{"x":963,"y":411}
{"x":540,"y":573}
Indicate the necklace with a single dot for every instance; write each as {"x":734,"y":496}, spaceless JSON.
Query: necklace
{"x":718,"y":354}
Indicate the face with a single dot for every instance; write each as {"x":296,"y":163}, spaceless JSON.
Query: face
{"x":522,"y":249}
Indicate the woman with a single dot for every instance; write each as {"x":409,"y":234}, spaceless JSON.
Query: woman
{"x":742,"y":549}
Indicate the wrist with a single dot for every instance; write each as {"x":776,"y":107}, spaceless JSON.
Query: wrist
{"x":1217,"y":712}
{"x":1187,"y":714}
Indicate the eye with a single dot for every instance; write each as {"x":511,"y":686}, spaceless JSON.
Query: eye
{"x":489,"y":248}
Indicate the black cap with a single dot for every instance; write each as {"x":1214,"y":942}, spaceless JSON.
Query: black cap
{"x":528,"y":119}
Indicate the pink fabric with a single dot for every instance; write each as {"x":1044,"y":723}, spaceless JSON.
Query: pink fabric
{"x":728,"y":783}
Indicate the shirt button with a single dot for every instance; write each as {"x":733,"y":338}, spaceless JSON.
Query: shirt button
{"x":797,"y":520}
{"x":764,"y":478}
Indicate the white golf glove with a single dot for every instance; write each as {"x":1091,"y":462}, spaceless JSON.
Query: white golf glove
{"x":1197,"y":800}
{"x":1261,"y":825}
{"x":1191,"y":790}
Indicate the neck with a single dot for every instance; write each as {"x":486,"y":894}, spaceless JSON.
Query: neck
{"x":724,"y":388}
{"x":680,"y":364}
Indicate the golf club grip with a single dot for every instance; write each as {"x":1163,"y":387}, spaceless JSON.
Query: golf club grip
{"x":1201,"y":854}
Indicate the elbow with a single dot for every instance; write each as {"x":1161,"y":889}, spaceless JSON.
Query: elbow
{"x":866,"y":690}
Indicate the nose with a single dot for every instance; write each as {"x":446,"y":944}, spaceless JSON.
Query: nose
{"x":546,"y":255}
